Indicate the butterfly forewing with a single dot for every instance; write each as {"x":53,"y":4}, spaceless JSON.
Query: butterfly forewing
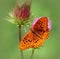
{"x":41,"y":28}
{"x":41,"y":24}
{"x":26,"y":42}
{"x":30,"y":40}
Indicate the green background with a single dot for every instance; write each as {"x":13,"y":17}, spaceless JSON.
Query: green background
{"x":9,"y":33}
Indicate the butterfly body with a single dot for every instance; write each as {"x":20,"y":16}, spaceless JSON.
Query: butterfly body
{"x":38,"y":33}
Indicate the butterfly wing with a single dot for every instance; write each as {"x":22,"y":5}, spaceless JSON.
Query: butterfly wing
{"x":37,"y":41}
{"x":30,"y":40}
{"x":41,"y":24}
{"x":41,"y":27}
{"x":26,"y":41}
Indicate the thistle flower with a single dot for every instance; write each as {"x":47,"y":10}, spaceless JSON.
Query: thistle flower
{"x":23,"y":12}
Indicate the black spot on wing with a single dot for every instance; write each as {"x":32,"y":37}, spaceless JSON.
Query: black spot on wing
{"x":27,"y":41}
{"x":36,"y":41}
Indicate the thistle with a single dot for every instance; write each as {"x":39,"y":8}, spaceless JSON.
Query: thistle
{"x":21,"y":13}
{"x":20,"y":16}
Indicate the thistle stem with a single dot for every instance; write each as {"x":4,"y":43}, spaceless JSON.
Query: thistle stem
{"x":20,"y":40}
{"x":32,"y":53}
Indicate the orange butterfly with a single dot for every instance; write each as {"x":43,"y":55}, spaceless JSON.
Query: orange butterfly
{"x":38,"y":33}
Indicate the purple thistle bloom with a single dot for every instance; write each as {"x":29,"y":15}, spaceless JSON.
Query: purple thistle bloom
{"x":22,"y":12}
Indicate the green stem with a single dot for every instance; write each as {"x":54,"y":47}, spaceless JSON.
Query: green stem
{"x":32,"y":53}
{"x":20,"y":40}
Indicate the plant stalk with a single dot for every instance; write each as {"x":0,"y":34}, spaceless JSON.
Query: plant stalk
{"x":32,"y":53}
{"x":19,"y":28}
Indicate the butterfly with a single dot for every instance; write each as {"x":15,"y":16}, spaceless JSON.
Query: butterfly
{"x":37,"y":35}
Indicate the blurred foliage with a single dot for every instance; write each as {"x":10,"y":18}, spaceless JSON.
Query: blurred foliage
{"x":9,"y":33}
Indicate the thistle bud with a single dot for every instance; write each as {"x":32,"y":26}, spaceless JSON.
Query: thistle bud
{"x":22,"y":12}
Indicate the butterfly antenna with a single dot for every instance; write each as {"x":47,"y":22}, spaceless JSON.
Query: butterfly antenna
{"x":32,"y":53}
